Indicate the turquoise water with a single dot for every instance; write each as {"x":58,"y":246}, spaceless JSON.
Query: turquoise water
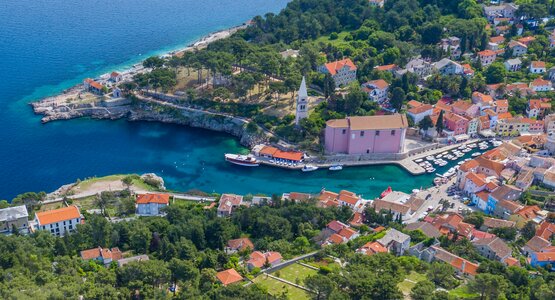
{"x":47,"y":46}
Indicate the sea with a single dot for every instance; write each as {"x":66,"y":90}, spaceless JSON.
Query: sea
{"x":50,"y":45}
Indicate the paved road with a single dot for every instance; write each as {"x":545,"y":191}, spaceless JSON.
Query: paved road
{"x":438,"y":193}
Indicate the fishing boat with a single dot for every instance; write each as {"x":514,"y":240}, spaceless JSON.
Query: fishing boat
{"x":242,"y":160}
{"x":336,"y":168}
{"x":386,"y":192}
{"x":309,"y":168}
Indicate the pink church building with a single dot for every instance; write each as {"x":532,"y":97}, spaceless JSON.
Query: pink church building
{"x":366,"y":135}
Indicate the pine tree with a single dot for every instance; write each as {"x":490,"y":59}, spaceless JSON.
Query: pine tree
{"x":439,"y":124}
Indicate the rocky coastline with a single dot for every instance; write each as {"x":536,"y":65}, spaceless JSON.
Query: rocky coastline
{"x":155,"y":112}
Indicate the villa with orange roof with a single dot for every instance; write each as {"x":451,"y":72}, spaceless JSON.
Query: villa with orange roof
{"x":115,"y":77}
{"x":93,"y":86}
{"x":418,"y":113}
{"x":228,"y":203}
{"x":526,"y":40}
{"x":482,"y":99}
{"x":337,"y":232}
{"x":260,"y":260}
{"x":238,"y":245}
{"x":376,"y":90}
{"x":342,"y":71}
{"x":537,"y":67}
{"x":372,"y":248}
{"x":541,"y":85}
{"x":228,"y":277}
{"x":104,"y":255}
{"x":487,"y":57}
{"x":151,"y":204}
{"x":461,"y":265}
{"x":537,"y":107}
{"x":59,"y":221}
{"x":387,"y":68}
{"x":543,"y":259}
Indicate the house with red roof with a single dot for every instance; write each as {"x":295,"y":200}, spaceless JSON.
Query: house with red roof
{"x":451,"y":223}
{"x":151,"y":204}
{"x":541,"y":85}
{"x":387,"y":68}
{"x":59,"y":221}
{"x":543,"y":259}
{"x":487,"y":57}
{"x":93,"y":86}
{"x":526,"y":40}
{"x":337,"y":232}
{"x":376,"y":90}
{"x":546,"y":230}
{"x":518,"y":48}
{"x":537,"y":67}
{"x":455,"y":123}
{"x":482,"y":99}
{"x":474,"y":183}
{"x":116,"y":77}
{"x":228,"y":203}
{"x":418,"y":113}
{"x":239,"y":245}
{"x":228,"y":277}
{"x":461,"y":265}
{"x":537,"y":107}
{"x":342,"y":71}
{"x":372,"y":248}
{"x":103,"y":255}
{"x":261,"y":260}
{"x":465,"y":108}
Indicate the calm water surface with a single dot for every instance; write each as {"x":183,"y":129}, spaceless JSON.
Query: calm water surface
{"x":47,"y":46}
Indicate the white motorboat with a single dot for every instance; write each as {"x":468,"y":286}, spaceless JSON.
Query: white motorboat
{"x":430,"y":170}
{"x":242,"y":160}
{"x":476,"y":154}
{"x":309,"y":168}
{"x":336,"y":168}
{"x":429,"y":157}
{"x":466,"y":150}
{"x":418,"y":160}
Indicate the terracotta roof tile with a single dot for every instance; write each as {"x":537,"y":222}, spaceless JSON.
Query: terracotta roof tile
{"x":153,"y":198}
{"x":58,"y":215}
{"x":229,"y":276}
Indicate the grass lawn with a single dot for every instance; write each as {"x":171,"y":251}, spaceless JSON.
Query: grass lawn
{"x":462,"y":292}
{"x":337,"y":42}
{"x":295,"y":271}
{"x":276,"y":288}
{"x":410,"y":281}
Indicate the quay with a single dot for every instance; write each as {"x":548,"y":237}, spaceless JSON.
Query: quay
{"x":404,"y":160}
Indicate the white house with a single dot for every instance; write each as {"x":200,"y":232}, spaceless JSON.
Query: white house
{"x":115,"y":77}
{"x":151,"y":204}
{"x":537,"y":67}
{"x":487,"y":57}
{"x":448,"y":67}
{"x":395,"y":241}
{"x":418,"y":113}
{"x":518,"y":48}
{"x":14,"y":217}
{"x":58,"y":221}
{"x":342,"y":71}
{"x":474,"y":183}
{"x":541,"y":85}
{"x":513,"y":65}
{"x":376,"y":90}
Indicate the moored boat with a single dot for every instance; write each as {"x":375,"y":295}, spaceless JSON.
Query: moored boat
{"x":336,"y":168}
{"x":309,"y":168}
{"x":242,"y":160}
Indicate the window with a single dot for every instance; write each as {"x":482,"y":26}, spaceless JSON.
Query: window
{"x":344,"y":131}
{"x":392,"y":132}
{"x":377,"y":132}
{"x":362,"y":133}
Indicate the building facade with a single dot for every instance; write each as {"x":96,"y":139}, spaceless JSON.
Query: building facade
{"x":366,"y":135}
{"x":59,"y":221}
